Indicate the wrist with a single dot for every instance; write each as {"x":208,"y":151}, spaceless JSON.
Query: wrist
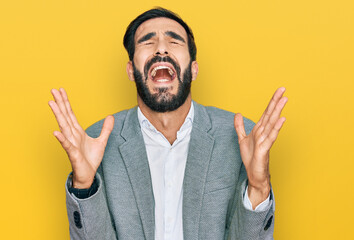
{"x":83,"y":184}
{"x":258,"y":194}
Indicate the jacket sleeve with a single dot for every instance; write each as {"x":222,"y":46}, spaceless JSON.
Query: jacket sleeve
{"x":248,"y":224}
{"x":89,"y":218}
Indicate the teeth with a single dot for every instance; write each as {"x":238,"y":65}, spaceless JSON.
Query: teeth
{"x":162,"y":80}
{"x":153,"y":72}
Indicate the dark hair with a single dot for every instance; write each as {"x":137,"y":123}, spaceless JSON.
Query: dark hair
{"x":128,"y":40}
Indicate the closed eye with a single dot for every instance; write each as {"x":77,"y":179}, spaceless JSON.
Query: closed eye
{"x":175,"y":36}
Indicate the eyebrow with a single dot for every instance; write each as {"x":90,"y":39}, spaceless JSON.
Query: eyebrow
{"x":174,"y":35}
{"x":146,"y":37}
{"x":168,"y":33}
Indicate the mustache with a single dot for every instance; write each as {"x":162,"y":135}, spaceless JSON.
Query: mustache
{"x":161,"y":59}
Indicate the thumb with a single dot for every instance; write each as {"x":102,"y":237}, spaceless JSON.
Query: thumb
{"x":106,"y":129}
{"x":240,"y":127}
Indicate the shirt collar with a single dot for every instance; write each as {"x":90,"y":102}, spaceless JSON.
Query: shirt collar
{"x":145,"y":123}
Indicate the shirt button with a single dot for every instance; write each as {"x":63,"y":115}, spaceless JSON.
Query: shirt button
{"x":169,"y":184}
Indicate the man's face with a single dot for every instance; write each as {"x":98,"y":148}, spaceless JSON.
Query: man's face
{"x":161,"y":66}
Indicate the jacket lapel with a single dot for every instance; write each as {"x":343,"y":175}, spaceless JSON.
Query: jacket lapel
{"x":199,"y":155}
{"x":134,"y":155}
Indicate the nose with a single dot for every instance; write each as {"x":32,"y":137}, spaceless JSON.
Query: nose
{"x":161,"y":48}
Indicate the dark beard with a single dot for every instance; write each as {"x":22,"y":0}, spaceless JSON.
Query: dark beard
{"x":163,"y":101}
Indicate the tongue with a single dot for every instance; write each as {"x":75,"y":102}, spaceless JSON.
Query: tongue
{"x":162,"y":74}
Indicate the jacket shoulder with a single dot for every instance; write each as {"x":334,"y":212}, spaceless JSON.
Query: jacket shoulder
{"x":95,"y":129}
{"x":225,"y":120}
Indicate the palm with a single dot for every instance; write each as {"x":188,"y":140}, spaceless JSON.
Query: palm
{"x":93,"y":151}
{"x":254,"y":159}
{"x":85,"y":156}
{"x":255,"y":147}
{"x":85,"y":153}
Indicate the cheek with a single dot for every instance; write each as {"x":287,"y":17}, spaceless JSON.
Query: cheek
{"x":140,"y":57}
{"x":183,"y":58}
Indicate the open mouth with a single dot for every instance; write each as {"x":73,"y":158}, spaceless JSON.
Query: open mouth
{"x":162,"y":73}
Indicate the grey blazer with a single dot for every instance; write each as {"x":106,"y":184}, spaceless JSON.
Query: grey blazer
{"x":214,"y":183}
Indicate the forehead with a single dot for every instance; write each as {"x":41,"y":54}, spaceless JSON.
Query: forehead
{"x":159,"y":25}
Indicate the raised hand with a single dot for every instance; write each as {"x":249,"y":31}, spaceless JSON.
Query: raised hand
{"x":85,"y":153}
{"x":255,"y":147}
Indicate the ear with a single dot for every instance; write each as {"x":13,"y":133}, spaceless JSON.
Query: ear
{"x":130,"y":71}
{"x":195,"y":70}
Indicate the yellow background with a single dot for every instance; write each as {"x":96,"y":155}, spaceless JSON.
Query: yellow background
{"x":246,"y":49}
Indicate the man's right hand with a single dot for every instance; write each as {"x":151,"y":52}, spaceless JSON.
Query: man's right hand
{"x":85,"y":153}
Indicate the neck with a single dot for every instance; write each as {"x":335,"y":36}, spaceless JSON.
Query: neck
{"x":168,"y":123}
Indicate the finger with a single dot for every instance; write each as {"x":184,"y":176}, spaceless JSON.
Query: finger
{"x":268,"y":142}
{"x":239,"y":127}
{"x":275,"y":115}
{"x":259,"y":123}
{"x":69,"y":109}
{"x":59,"y":101}
{"x":106,"y":129}
{"x":61,"y":120}
{"x":275,"y":98}
{"x":65,"y":143}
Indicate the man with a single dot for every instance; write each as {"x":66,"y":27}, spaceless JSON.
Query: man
{"x":169,"y":168}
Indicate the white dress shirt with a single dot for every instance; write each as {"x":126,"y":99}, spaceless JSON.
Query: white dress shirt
{"x":167,"y":164}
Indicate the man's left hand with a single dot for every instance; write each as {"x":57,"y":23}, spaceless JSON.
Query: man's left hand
{"x":255,"y":146}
